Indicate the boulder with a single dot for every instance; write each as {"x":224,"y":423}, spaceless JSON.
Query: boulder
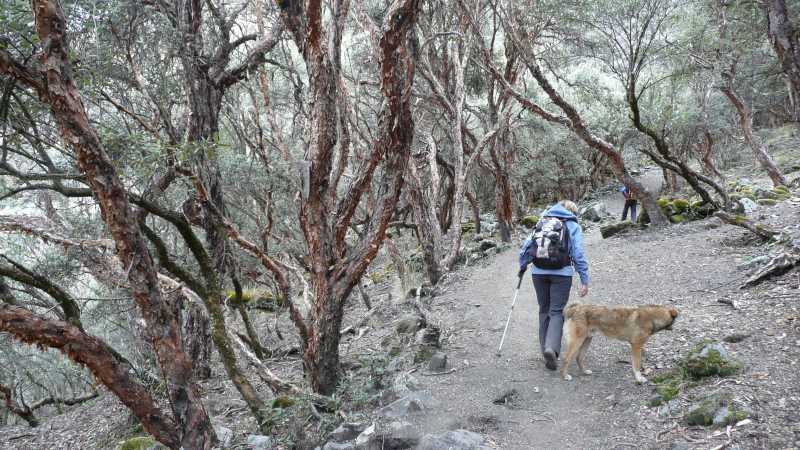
{"x":259,"y":442}
{"x":594,"y":212}
{"x":453,"y":440}
{"x":747,"y":205}
{"x":616,"y":228}
{"x":394,"y":436}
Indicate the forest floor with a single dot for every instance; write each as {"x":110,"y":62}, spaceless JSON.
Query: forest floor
{"x":690,"y":266}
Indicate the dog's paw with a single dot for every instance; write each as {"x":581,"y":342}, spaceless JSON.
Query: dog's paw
{"x":640,"y":379}
{"x":587,"y":372}
{"x":567,"y":377}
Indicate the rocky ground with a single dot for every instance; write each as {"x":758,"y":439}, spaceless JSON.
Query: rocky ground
{"x":423,"y":370}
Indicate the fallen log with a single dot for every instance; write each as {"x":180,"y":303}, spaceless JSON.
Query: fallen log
{"x":761,"y":230}
{"x":779,"y":265}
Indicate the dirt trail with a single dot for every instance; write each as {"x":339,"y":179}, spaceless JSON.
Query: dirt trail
{"x":605,"y":410}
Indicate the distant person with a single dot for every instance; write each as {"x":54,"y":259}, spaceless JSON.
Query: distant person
{"x":630,"y":203}
{"x":554,"y":247}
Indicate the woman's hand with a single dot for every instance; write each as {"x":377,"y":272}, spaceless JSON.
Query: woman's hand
{"x":584,"y":290}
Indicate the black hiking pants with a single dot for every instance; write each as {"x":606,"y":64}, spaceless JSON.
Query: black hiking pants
{"x":552,"y":293}
{"x":629,"y":204}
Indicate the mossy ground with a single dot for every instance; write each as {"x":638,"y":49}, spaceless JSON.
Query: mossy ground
{"x":529,"y":221}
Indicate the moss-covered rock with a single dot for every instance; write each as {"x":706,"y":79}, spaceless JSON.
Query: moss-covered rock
{"x":677,"y":218}
{"x":766,"y":202}
{"x":717,"y":410}
{"x":668,"y":384}
{"x":467,"y":227}
{"x":529,"y":221}
{"x":282,"y":402}
{"x":662,"y":202}
{"x":681,"y":205}
{"x":141,"y":443}
{"x":709,"y":359}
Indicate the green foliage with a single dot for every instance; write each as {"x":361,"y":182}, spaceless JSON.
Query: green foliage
{"x":283,"y":402}
{"x":529,"y":221}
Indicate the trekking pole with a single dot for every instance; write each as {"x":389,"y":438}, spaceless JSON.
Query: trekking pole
{"x":514,"y":302}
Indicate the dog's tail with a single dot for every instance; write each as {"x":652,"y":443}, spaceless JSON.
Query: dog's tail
{"x":571,"y":310}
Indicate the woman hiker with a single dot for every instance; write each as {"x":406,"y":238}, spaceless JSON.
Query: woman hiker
{"x":630,"y":203}
{"x":555,"y":249}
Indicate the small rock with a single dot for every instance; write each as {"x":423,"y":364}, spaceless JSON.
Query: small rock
{"x":486,"y":245}
{"x":755,"y":262}
{"x":508,"y":397}
{"x":438,"y":362}
{"x":225,"y":436}
{"x":348,"y":431}
{"x":721,"y":417}
{"x":679,"y":445}
{"x":339,"y":446}
{"x":259,"y":442}
{"x":410,"y":404}
{"x":429,"y":335}
{"x":409,"y":324}
{"x":736,"y":337}
{"x":453,"y":440}
{"x":405,"y":384}
{"x":748,"y":206}
{"x":713,"y":347}
{"x":395,"y":436}
{"x":611,"y":398}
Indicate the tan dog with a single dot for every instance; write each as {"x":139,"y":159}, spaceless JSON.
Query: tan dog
{"x":632,"y":325}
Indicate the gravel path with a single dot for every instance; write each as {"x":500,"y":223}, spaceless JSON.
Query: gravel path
{"x":687,"y":266}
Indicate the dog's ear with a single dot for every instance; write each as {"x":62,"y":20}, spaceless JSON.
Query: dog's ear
{"x":673,"y":312}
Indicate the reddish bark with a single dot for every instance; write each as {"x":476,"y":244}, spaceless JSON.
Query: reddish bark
{"x":56,"y":87}
{"x":335,"y":269}
{"x":783,"y":37}
{"x":99,"y":358}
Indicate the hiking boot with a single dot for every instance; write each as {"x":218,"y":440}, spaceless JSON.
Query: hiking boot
{"x":550,"y":359}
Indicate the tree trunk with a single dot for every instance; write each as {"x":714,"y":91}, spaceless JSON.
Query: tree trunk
{"x":782,"y":35}
{"x":670,"y":162}
{"x":61,"y":94}
{"x":427,"y":229}
{"x":476,"y":210}
{"x":336,"y":267}
{"x":746,"y":124}
{"x":197,"y":337}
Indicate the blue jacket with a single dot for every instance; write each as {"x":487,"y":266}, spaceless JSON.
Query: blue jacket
{"x":575,"y":249}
